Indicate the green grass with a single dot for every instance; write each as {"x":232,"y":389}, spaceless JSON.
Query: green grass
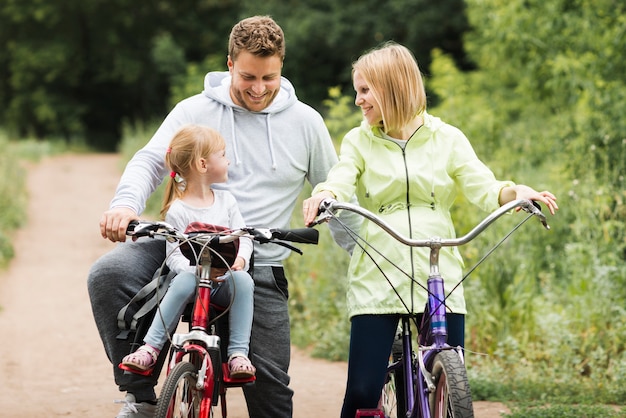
{"x":13,"y":192}
{"x":566,"y":411}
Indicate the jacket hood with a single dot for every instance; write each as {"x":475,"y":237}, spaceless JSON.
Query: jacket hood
{"x":217,"y":87}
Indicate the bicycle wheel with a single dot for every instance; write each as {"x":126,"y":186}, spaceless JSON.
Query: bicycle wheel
{"x":179,"y":397}
{"x":452,"y":397}
{"x":392,"y":400}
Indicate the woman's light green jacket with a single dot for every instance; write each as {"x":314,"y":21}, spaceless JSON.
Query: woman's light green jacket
{"x":412,"y":190}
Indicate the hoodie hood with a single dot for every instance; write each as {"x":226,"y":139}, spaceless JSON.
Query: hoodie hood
{"x":217,"y":87}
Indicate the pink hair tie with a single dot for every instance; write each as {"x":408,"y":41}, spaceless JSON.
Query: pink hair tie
{"x":173,"y":174}
{"x":167,"y":151}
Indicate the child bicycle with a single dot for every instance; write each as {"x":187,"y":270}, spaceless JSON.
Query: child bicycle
{"x":429,"y":380}
{"x":196,"y":375}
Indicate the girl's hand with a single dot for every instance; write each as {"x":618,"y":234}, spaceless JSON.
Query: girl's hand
{"x":239,"y":264}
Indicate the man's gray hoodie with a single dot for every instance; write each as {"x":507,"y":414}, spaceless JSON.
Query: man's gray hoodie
{"x":271,"y":154}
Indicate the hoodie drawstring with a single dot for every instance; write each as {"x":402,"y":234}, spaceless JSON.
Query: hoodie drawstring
{"x":232,"y":135}
{"x":270,"y":142}
{"x":269,"y":138}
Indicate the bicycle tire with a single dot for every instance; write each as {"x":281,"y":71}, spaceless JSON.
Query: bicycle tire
{"x":392,"y":401}
{"x":452,"y":397}
{"x":179,"y":397}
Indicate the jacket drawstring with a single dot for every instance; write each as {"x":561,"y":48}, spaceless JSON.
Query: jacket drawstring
{"x":432,"y":173}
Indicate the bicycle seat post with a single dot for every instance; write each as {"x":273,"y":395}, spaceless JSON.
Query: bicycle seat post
{"x":436,"y":297}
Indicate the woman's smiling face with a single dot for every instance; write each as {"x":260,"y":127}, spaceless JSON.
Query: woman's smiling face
{"x":366,"y":101}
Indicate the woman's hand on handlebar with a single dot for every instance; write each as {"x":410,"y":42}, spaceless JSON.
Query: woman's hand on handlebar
{"x":521,"y":191}
{"x":311,"y":206}
{"x":114,"y":223}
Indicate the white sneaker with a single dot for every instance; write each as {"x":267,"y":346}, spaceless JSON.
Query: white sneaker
{"x":132,"y":409}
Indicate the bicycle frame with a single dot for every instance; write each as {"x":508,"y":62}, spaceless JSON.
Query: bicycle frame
{"x":202,"y":345}
{"x":419,"y":384}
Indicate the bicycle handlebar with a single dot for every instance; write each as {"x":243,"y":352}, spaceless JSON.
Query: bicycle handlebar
{"x":261,"y":235}
{"x":331,"y":206}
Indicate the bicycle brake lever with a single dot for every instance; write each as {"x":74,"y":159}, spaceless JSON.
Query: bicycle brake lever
{"x":325,"y":206}
{"x":535,"y":209}
{"x":320,"y":219}
{"x":262,"y":235}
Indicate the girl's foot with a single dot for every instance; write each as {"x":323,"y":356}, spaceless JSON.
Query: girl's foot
{"x":143,"y":359}
{"x":240,"y":367}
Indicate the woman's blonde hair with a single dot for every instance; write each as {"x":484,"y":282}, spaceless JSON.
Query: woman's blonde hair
{"x":395,"y":80}
{"x":189,"y":144}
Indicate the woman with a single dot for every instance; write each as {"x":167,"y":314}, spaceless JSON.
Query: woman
{"x":408,"y":167}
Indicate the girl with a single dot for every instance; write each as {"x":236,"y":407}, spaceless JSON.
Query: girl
{"x":197,"y":159}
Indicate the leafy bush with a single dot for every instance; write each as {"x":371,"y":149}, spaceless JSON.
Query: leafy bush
{"x":13,"y":191}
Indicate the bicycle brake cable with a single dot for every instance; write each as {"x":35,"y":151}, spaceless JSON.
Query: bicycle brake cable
{"x":488,"y":253}
{"x":358,"y":241}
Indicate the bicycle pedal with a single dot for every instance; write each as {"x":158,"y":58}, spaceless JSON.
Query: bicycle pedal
{"x":135,"y":371}
{"x":230,"y":381}
{"x":375,"y":413}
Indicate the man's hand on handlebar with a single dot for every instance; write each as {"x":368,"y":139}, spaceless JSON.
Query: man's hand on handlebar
{"x":311,"y":206}
{"x":114,"y":223}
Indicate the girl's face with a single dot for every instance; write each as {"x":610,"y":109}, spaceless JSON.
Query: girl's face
{"x":365,"y":100}
{"x":217,"y":167}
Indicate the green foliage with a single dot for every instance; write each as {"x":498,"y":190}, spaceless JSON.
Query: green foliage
{"x":191,"y":82}
{"x":80,"y":69}
{"x":13,"y":192}
{"x":134,"y":138}
{"x":324,"y":37}
{"x":341,"y":114}
{"x":566,"y":411}
{"x":547,"y":308}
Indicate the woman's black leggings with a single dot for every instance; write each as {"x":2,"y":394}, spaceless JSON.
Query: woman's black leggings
{"x":371,"y":338}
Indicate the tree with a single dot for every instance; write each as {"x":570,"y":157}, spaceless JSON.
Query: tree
{"x":79,"y":68}
{"x":545,"y":107}
{"x":324,"y":37}
{"x":82,"y":68}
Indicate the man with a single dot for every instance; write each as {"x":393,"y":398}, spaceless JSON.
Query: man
{"x":274,"y":143}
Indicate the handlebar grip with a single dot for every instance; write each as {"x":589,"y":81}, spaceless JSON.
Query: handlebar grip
{"x":301,"y":235}
{"x":131,"y":226}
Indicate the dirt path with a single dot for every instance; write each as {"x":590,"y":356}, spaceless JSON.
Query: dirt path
{"x":52,"y":363}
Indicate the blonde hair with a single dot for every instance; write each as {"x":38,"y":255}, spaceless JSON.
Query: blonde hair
{"x":190,"y":143}
{"x":259,"y":35}
{"x":395,"y":80}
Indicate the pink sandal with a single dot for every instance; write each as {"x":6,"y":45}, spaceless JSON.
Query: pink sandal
{"x":240,"y":367}
{"x":143,"y":359}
